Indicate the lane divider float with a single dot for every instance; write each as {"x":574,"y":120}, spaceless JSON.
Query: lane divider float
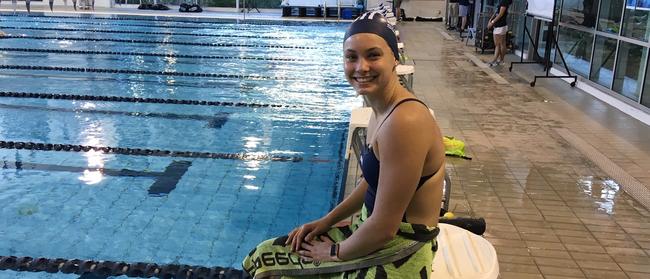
{"x":52,"y":96}
{"x":17,"y":145}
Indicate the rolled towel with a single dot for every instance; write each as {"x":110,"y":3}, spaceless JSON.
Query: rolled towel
{"x":474,"y":225}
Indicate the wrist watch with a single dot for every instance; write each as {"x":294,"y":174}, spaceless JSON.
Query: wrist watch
{"x":334,"y":252}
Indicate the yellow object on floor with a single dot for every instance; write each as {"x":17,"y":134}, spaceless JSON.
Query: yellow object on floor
{"x":448,"y":215}
{"x":454,"y":147}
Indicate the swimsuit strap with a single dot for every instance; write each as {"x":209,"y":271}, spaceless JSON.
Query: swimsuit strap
{"x":391,"y":112}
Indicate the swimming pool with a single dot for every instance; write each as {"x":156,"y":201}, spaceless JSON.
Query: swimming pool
{"x":165,"y":141}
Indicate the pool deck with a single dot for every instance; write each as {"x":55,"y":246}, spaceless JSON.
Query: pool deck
{"x":546,"y":163}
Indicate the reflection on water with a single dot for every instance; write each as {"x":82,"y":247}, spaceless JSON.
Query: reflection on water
{"x":94,"y":134}
{"x":603,"y":190}
{"x":251,"y":187}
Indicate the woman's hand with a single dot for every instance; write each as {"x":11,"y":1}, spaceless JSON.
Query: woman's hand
{"x":306,"y":233}
{"x":318,"y":250}
{"x":490,"y":24}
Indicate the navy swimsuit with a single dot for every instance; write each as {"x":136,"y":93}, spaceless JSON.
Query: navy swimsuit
{"x":370,"y":167}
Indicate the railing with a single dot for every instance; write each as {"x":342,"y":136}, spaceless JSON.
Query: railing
{"x":338,"y":9}
{"x":358,"y":141}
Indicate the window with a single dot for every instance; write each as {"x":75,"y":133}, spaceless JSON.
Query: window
{"x":515,"y":22}
{"x":543,"y":35}
{"x":610,"y":16}
{"x":602,"y":65}
{"x":580,"y":12}
{"x":635,"y":19}
{"x":518,"y":32}
{"x":629,"y":70}
{"x":645,"y":98}
{"x":576,"y":48}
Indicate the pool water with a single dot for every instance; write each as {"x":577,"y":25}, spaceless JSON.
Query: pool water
{"x":271,"y":102}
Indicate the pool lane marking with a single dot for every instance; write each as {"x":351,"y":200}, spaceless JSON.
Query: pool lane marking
{"x":141,"y":32}
{"x":138,"y":72}
{"x":163,"y":42}
{"x":55,"y":96}
{"x":165,"y":55}
{"x":164,"y":182}
{"x":257,"y":156}
{"x":215,"y":122}
{"x":218,"y":120}
{"x":18,"y":165}
{"x":167,"y":182}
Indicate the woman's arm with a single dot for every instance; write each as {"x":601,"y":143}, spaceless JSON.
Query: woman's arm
{"x":346,"y":208}
{"x":502,"y":12}
{"x":403,"y":146}
{"x":350,"y":205}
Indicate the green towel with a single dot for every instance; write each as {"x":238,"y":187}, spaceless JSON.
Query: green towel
{"x":454,"y":147}
{"x":409,"y":255}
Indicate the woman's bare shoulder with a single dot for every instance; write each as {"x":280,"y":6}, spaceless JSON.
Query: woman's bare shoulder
{"x":412,"y":115}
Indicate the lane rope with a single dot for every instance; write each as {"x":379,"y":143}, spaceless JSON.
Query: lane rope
{"x":54,"y":96}
{"x":139,"y":72}
{"x":17,"y":145}
{"x":103,"y":269}
{"x":163,"y":42}
{"x":141,"y":32}
{"x":170,"y":55}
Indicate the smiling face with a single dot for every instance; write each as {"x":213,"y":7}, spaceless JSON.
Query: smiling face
{"x":369,"y":63}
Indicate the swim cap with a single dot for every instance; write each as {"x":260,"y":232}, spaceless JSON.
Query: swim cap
{"x":375,"y":23}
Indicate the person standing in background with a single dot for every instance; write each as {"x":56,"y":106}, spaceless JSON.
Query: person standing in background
{"x":452,"y":14}
{"x":463,"y":12}
{"x":397,"y":7}
{"x":500,"y":24}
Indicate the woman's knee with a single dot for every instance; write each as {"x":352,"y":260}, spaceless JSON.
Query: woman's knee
{"x":498,"y":39}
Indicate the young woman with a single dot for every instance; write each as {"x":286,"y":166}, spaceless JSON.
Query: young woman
{"x":401,"y":190}
{"x":498,"y":21}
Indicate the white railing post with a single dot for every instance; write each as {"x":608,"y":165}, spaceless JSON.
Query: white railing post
{"x":338,"y":6}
